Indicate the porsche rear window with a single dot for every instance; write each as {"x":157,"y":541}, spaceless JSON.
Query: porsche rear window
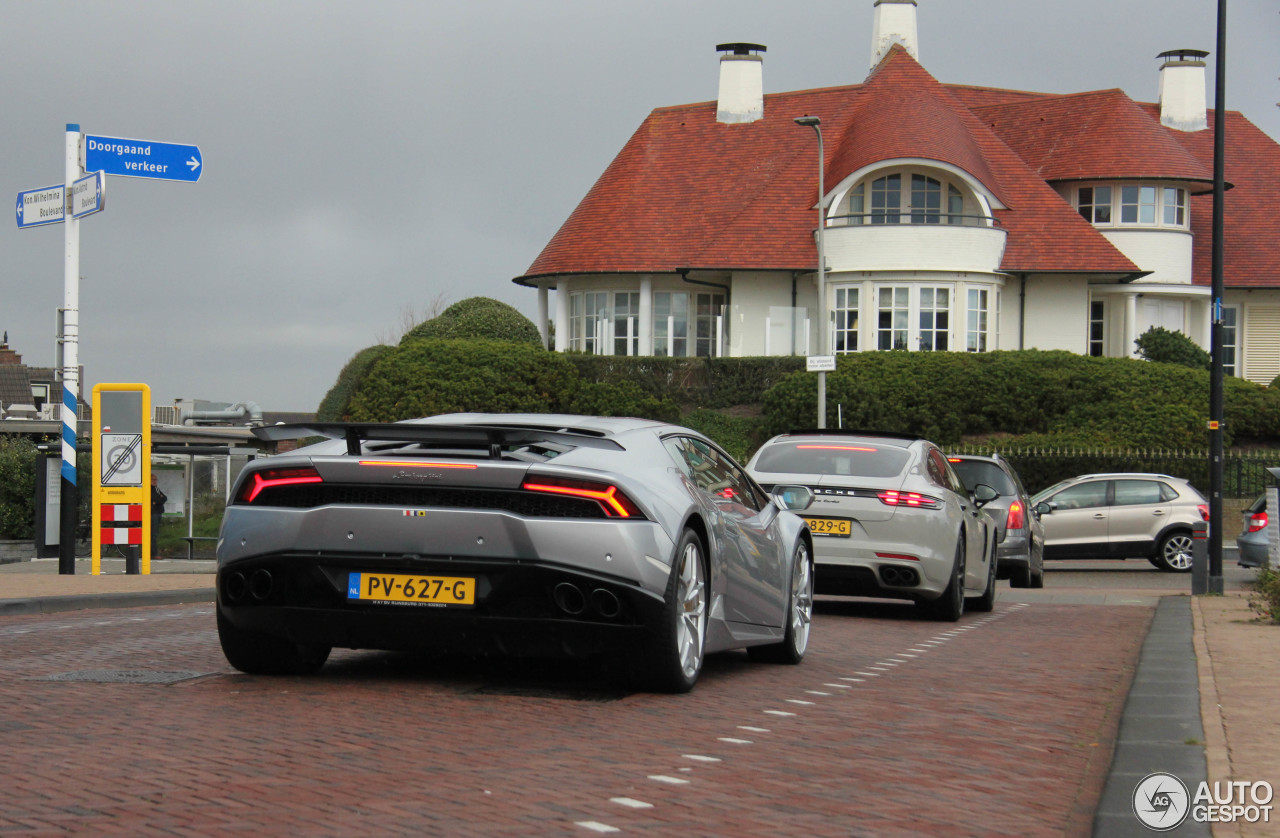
{"x":852,"y":458}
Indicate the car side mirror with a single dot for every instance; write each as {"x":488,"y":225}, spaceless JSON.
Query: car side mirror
{"x":984,"y":494}
{"x":1043,"y":508}
{"x":792,"y":498}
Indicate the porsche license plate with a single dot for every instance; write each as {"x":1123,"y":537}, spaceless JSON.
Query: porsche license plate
{"x":838,"y":527}
{"x":422,"y":590}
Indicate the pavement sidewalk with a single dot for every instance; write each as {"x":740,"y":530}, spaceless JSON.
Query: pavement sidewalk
{"x":1223,"y":696}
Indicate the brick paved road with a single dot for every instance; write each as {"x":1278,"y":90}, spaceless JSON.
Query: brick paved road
{"x":999,"y":725}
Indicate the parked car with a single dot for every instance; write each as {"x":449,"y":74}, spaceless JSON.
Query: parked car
{"x":1020,"y":535}
{"x":1252,"y":543}
{"x":890,"y":518}
{"x":529,"y":534}
{"x":1120,"y":516}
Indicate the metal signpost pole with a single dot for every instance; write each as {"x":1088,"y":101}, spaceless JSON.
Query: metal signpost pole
{"x":1215,"y":340}
{"x":70,"y":500}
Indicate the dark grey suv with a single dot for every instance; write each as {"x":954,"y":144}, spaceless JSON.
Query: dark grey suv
{"x":1020,"y":552}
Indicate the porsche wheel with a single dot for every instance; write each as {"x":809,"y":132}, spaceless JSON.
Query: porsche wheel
{"x":950,"y":606}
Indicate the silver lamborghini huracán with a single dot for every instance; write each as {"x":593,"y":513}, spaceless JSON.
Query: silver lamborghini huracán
{"x":521,"y":534}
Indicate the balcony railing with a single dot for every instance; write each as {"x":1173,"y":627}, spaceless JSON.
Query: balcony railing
{"x":872,"y":219}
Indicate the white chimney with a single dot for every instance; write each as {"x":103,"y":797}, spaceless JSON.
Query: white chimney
{"x":1182,"y":90}
{"x":895,"y":23}
{"x":741,"y":84}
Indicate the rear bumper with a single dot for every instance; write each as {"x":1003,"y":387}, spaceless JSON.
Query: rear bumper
{"x":520,"y":608}
{"x":885,"y":579}
{"x":1012,"y":554}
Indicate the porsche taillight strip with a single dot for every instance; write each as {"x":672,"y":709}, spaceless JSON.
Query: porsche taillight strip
{"x":893,"y":497}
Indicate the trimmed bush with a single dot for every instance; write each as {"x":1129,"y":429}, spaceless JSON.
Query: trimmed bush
{"x":1166,"y":347}
{"x":477,"y":318}
{"x":334,"y":406}
{"x":425,"y":377}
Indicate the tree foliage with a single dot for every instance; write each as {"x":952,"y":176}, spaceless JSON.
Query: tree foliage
{"x":17,"y":487}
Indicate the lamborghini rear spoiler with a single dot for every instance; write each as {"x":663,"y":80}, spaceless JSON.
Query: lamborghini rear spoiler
{"x":495,"y":437}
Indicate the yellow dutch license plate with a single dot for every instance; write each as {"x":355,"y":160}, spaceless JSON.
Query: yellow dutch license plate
{"x":838,"y":527}
{"x":422,"y":590}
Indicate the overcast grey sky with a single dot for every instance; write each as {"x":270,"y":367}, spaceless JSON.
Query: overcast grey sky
{"x":364,"y":159}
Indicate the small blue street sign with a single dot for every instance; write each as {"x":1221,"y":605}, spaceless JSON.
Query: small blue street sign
{"x":88,"y":195}
{"x":142,"y":158}
{"x":41,"y":206}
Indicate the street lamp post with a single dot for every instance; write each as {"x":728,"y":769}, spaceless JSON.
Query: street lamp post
{"x":823,"y":342}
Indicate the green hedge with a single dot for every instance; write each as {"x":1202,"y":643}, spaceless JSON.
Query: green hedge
{"x":1048,"y":397}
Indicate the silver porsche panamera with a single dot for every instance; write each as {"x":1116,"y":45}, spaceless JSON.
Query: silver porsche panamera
{"x":525,"y":534}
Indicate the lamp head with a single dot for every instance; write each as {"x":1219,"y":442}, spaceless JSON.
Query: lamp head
{"x":811,"y":121}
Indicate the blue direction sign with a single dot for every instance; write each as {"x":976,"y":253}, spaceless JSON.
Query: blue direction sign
{"x":41,"y":206}
{"x":88,"y":195}
{"x":142,"y":158}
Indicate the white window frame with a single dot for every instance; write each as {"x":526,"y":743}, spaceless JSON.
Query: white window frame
{"x":848,"y":316}
{"x":977,"y":319}
{"x":1097,"y":336}
{"x":930,"y":333}
{"x":1231,"y":340}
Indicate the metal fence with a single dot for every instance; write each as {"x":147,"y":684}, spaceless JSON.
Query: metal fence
{"x":1244,"y":474}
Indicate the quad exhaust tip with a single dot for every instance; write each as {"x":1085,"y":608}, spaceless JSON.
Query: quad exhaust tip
{"x":575,"y":601}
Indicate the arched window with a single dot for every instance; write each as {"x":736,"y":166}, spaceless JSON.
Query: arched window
{"x":905,"y":198}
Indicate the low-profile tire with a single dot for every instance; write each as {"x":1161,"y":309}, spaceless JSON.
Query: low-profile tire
{"x":950,"y":606}
{"x":987,"y":601}
{"x":260,"y":654}
{"x":1174,"y":552}
{"x":799,"y":614}
{"x":672,"y":658}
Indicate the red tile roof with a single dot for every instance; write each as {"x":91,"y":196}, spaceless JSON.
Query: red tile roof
{"x":1088,"y":136}
{"x":689,"y":193}
{"x":1251,"y":206}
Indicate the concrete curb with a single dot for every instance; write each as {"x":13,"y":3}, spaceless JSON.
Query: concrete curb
{"x":138,"y":599}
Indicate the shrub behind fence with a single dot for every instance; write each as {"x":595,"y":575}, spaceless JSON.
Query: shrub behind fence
{"x":1244,"y":474}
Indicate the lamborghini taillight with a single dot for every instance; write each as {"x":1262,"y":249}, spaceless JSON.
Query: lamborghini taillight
{"x":269,"y":478}
{"x":611,"y":499}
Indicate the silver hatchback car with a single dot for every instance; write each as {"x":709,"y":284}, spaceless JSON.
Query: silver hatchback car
{"x":1122,"y":516}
